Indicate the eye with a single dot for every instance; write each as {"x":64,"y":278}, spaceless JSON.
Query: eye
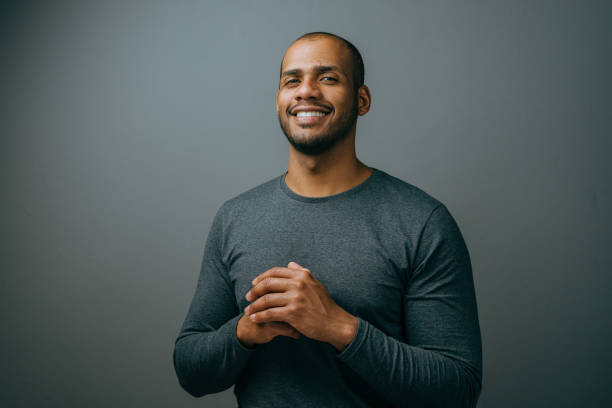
{"x":291,"y":81}
{"x":328,"y":78}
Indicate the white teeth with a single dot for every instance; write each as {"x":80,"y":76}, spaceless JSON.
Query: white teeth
{"x":311,"y":113}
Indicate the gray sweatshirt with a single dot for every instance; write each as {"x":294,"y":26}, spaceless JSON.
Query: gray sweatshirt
{"x":387,"y":252}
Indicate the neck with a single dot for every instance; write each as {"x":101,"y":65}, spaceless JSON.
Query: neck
{"x":330,"y":173}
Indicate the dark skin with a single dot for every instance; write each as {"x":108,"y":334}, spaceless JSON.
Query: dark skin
{"x":290,"y":301}
{"x":293,"y":296}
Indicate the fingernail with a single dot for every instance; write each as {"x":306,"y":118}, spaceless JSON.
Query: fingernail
{"x":246,"y":310}
{"x":252,"y":316}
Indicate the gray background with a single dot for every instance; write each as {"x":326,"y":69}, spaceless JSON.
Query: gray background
{"x":126,"y":125}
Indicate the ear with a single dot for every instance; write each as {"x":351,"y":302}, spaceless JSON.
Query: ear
{"x":365,"y":99}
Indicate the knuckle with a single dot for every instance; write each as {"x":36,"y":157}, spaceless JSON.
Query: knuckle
{"x":300,"y":285}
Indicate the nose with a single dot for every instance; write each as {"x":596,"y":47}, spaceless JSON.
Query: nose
{"x":308,"y":89}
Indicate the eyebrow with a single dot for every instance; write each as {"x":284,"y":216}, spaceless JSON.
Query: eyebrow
{"x":319,"y":69}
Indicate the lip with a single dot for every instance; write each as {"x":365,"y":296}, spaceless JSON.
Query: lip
{"x":309,"y":120}
{"x":308,"y":108}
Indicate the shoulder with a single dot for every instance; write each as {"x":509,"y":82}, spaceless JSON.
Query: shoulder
{"x":255,"y":198}
{"x":400,"y":196}
{"x":429,"y":219}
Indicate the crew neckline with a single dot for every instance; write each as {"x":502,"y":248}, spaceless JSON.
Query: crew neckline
{"x":292,"y":194}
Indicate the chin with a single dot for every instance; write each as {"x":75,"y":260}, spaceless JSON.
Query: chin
{"x":312,"y":146}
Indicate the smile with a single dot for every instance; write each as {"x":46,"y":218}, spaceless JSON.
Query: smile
{"x":309,"y":118}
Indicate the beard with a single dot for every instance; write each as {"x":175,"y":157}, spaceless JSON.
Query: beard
{"x":322,"y":143}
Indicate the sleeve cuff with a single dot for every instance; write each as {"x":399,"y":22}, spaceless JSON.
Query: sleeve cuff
{"x":354,"y":346}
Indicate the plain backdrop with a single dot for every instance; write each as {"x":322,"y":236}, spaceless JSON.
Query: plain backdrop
{"x":125,"y":125}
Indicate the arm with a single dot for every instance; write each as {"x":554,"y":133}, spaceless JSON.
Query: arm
{"x":440,"y":364}
{"x":208,"y":357}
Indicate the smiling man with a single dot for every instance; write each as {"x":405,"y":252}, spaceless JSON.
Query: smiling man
{"x":334,"y":284}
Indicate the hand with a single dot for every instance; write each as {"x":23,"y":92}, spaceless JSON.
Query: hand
{"x":294,"y":296}
{"x":250,"y":333}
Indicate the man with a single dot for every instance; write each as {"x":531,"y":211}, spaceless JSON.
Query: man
{"x":335,"y":284}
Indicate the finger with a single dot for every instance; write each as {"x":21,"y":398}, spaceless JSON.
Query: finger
{"x":267,"y":301}
{"x":284,"y":329}
{"x":270,"y":285}
{"x":279,"y":326}
{"x":295,"y":265}
{"x":274,"y":314}
{"x":277,"y":271}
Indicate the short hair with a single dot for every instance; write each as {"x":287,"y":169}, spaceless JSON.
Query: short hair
{"x":357,"y":68}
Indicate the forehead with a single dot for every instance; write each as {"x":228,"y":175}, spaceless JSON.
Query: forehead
{"x":308,"y":53}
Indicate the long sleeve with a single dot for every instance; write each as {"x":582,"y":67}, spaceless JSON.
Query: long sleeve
{"x":208,"y":357}
{"x":440,"y":362}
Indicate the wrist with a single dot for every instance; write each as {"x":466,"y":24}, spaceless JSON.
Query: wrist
{"x":345,"y":332}
{"x":240,"y":336}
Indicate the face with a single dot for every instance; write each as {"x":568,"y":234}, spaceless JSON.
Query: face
{"x":316,"y":103}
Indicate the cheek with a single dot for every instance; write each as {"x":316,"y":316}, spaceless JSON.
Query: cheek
{"x":283,"y":98}
{"x":279,"y":103}
{"x":345,"y":101}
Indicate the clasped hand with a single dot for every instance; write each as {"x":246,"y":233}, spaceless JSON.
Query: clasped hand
{"x":294,"y":296}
